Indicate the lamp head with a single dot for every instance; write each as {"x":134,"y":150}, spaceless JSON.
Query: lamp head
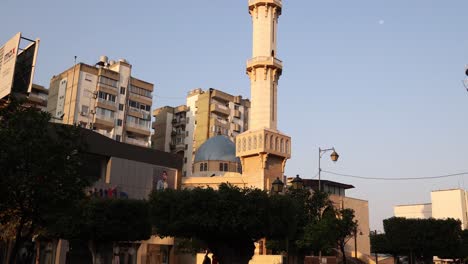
{"x":334,"y":156}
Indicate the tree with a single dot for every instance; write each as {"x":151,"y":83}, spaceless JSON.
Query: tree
{"x":345,"y":228}
{"x":422,"y":239}
{"x":228,"y":220}
{"x":40,"y":172}
{"x":101,"y":222}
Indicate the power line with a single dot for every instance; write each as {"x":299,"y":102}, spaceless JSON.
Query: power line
{"x":396,"y":179}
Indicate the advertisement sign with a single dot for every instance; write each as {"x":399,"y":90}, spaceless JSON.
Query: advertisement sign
{"x":8,"y":55}
{"x":24,"y":68}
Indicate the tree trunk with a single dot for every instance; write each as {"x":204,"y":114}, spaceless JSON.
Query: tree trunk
{"x":17,"y":243}
{"x":342,"y":249}
{"x":235,"y":251}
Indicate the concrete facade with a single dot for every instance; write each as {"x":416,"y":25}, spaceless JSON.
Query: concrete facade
{"x":105,"y":98}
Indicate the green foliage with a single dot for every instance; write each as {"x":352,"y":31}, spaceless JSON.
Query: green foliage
{"x":39,"y":162}
{"x":107,"y":220}
{"x":421,"y":238}
{"x":228,"y":220}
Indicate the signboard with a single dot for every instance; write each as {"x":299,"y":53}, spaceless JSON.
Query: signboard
{"x":24,"y":68}
{"x":8,"y":55}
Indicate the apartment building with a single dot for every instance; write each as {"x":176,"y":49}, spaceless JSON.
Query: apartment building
{"x":104,"y":97}
{"x":37,"y":97}
{"x":209,"y":113}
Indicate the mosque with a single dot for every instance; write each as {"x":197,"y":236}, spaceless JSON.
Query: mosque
{"x":259,"y":154}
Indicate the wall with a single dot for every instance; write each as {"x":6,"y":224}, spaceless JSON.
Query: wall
{"x":413,"y":211}
{"x":450,"y":203}
{"x":361,"y":212}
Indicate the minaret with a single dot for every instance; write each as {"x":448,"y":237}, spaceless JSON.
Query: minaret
{"x":263,"y":150}
{"x":264,"y":69}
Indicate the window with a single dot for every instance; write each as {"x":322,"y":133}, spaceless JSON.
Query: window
{"x":122,"y":90}
{"x":185,"y":173}
{"x":106,"y":96}
{"x":84,"y":109}
{"x":139,"y":91}
{"x":118,"y":138}
{"x":105,"y":113}
{"x":186,"y":146}
{"x":185,"y":160}
{"x":88,"y":77}
{"x":225,"y":166}
{"x":119,"y":122}
{"x":201,"y":166}
{"x":186,"y":133}
{"x":121,"y":107}
{"x":221,"y":168}
{"x":205,"y":166}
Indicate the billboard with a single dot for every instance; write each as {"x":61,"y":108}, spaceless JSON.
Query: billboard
{"x":24,"y":68}
{"x":8,"y":55}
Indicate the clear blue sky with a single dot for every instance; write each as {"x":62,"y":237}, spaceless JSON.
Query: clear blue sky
{"x":379,"y":80}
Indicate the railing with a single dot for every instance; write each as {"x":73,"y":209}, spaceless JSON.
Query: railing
{"x":251,"y":2}
{"x":137,"y":142}
{"x":105,"y":117}
{"x":107,"y":102}
{"x":139,"y":126}
{"x":140,"y":96}
{"x":106,"y":86}
{"x":263,"y":59}
{"x":144,"y":112}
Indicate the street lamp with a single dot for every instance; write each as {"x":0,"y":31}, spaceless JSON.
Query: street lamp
{"x":297,"y":183}
{"x":277,"y":185}
{"x":334,"y":157}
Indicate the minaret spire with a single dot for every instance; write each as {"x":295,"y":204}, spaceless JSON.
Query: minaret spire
{"x":262,"y":149}
{"x":264,"y":68}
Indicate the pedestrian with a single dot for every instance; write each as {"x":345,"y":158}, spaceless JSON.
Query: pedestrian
{"x":206,"y":259}
{"x":214,"y":259}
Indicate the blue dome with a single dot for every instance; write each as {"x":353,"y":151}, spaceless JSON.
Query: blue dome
{"x":217,"y":148}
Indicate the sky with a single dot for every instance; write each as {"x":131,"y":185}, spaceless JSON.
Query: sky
{"x":379,"y":80}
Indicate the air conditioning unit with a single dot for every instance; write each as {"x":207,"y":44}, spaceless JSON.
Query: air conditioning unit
{"x":95,"y":94}
{"x":83,"y":113}
{"x":92,"y":111}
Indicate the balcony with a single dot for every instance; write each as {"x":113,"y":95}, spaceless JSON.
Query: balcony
{"x":139,"y":113}
{"x":140,"y":98}
{"x":137,"y":142}
{"x":179,"y":122}
{"x":138,"y":129}
{"x":262,"y":61}
{"x":220,"y":109}
{"x":263,"y":2}
{"x":237,"y":114}
{"x":103,"y":121}
{"x":106,"y":104}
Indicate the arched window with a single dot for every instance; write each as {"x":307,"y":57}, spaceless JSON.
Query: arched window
{"x":271,"y":142}
{"x":225,"y":165}
{"x":266,"y":141}
{"x":276,"y":144}
{"x":260,"y":141}
{"x":287,"y":147}
{"x":282,"y":146}
{"x":243,"y":144}
{"x":205,"y":166}
{"x":250,"y":143}
{"x":254,"y":142}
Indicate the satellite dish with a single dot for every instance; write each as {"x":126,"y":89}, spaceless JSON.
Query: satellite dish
{"x":465,"y":83}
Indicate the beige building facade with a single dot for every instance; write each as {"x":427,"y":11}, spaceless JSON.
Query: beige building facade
{"x":451,"y":203}
{"x":105,"y":98}
{"x":209,"y":113}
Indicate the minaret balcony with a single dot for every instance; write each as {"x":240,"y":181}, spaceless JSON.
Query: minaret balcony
{"x":264,"y":61}
{"x":265,"y":2}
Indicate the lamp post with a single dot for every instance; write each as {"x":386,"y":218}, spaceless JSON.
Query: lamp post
{"x":277,"y":185}
{"x":334,"y":157}
{"x":297,"y":183}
